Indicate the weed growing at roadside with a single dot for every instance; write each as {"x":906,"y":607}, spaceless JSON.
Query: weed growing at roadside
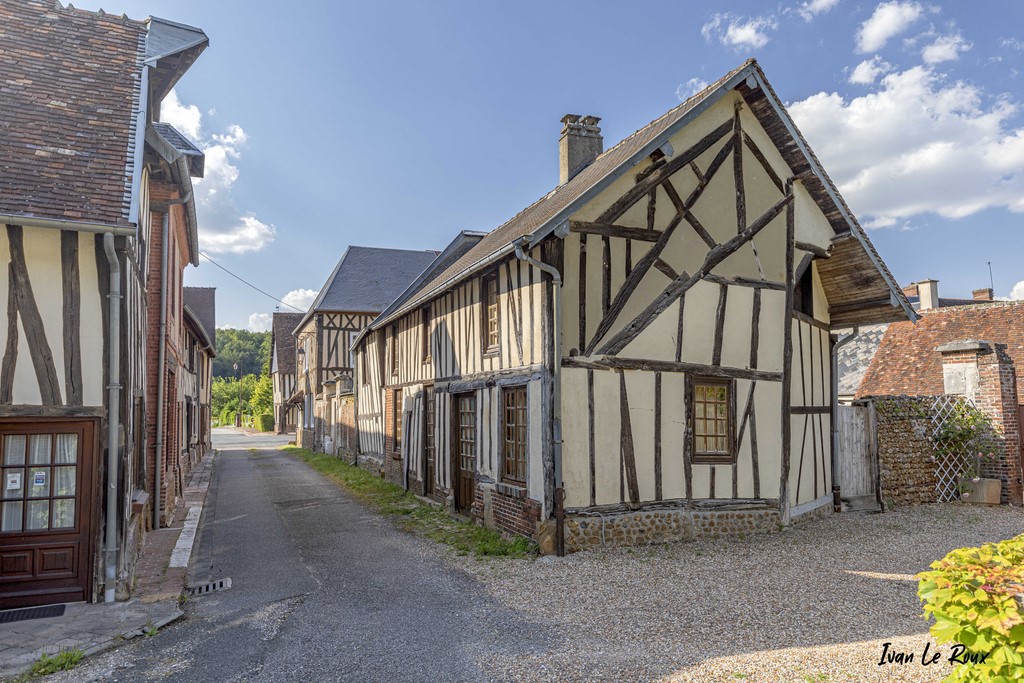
{"x":412,"y":514}
{"x":50,"y":664}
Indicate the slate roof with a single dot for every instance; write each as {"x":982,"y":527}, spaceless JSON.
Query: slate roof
{"x":907,"y":362}
{"x":181,"y":144}
{"x":283,"y":340}
{"x":855,"y":356}
{"x":203,"y":302}
{"x":70,"y":91}
{"x":458,"y":247}
{"x":543,"y":216}
{"x":367,"y":279}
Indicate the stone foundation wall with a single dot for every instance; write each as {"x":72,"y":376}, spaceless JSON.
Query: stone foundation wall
{"x":645,"y":527}
{"x":906,"y":457}
{"x":370,"y":462}
{"x":814,"y":515}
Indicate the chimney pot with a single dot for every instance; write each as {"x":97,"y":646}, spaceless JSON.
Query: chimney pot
{"x":984,"y":294}
{"x":580,"y":144}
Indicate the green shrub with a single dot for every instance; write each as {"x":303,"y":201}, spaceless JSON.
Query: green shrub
{"x":975,"y":596}
{"x":265,"y":422}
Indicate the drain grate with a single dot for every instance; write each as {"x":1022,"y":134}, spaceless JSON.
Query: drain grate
{"x":204,"y":588}
{"x":31,"y":613}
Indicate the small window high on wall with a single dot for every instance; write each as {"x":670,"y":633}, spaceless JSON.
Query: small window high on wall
{"x":490,"y":298}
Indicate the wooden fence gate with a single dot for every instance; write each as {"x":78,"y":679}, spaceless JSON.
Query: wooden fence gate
{"x":857,"y":458}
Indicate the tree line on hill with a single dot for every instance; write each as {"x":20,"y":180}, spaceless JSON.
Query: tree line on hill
{"x":241,"y":375}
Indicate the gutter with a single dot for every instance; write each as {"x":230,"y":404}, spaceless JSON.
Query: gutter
{"x":165,"y":209}
{"x":113,"y":419}
{"x":76,"y":226}
{"x":556,"y":388}
{"x":836,"y":501}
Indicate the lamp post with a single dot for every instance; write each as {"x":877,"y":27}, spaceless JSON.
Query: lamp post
{"x":238,"y":415}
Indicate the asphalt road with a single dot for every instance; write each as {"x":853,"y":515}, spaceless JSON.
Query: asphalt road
{"x":322,"y":590}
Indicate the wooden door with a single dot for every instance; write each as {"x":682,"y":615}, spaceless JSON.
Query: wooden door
{"x":857,"y":474}
{"x":429,"y":452}
{"x":45,"y":512}
{"x":464,"y":453}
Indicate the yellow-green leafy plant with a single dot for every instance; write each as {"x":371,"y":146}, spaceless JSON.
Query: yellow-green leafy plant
{"x":976,"y":596}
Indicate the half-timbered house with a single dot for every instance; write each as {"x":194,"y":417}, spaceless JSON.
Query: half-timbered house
{"x":86,"y":177}
{"x":282,"y":369}
{"x":643,"y":354}
{"x":199,"y":348}
{"x":362,"y":284}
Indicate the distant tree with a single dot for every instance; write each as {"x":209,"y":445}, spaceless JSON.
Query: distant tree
{"x":263,"y":396}
{"x":250,"y":350}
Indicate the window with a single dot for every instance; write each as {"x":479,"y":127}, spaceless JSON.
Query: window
{"x":396,"y":406}
{"x":712,"y":412}
{"x":425,"y":333}
{"x":803,"y":294}
{"x":394,"y":349}
{"x":514,"y":428}
{"x":41,"y":477}
{"x":491,"y":313}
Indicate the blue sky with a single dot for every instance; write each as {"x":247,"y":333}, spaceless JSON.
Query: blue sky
{"x":398,"y":124}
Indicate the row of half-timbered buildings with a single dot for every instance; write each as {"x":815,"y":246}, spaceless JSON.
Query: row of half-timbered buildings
{"x":646,"y":352}
{"x":105,"y":367}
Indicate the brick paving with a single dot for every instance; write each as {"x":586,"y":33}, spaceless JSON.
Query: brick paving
{"x":93,"y":628}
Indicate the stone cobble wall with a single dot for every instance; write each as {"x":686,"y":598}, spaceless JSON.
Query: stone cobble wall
{"x":906,"y":456}
{"x":662,"y":526}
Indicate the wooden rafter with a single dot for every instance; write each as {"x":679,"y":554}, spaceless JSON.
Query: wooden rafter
{"x":618,"y":363}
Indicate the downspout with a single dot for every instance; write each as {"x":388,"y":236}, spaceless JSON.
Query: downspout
{"x":556,"y":389}
{"x":113,"y":417}
{"x":165,"y":230}
{"x":836,"y":500}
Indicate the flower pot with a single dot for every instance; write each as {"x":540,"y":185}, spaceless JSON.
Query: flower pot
{"x":980,"y":491}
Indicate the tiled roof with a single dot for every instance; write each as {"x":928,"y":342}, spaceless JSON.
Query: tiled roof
{"x":907,"y":362}
{"x":69,"y":93}
{"x":284,"y":340}
{"x":855,"y":356}
{"x":367,"y":279}
{"x":182,"y":145}
{"x":203,"y":302}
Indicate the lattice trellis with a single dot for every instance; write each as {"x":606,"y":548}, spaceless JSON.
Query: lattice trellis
{"x":954,"y":456}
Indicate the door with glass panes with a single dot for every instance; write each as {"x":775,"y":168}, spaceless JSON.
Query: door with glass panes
{"x":45,"y":512}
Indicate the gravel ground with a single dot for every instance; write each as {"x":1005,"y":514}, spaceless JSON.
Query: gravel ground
{"x":814,"y":603}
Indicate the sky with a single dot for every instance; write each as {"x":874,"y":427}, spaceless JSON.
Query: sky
{"x":397,"y":124}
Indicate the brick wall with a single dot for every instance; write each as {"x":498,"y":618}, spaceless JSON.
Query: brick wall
{"x":997,"y":398}
{"x":506,"y":508}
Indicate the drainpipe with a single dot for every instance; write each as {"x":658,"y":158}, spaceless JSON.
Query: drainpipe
{"x":556,"y":389}
{"x":165,"y":208}
{"x":113,"y":417}
{"x":836,"y":501}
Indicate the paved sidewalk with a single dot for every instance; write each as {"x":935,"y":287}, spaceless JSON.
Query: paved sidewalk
{"x":160,"y":579}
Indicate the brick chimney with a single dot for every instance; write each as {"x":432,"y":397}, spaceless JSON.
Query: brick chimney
{"x":581,"y":143}
{"x":911,"y":289}
{"x":984,"y":294}
{"x":928,"y":291}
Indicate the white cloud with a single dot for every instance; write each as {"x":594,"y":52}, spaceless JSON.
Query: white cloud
{"x":739,"y":33}
{"x":1017,"y":293}
{"x":945,"y":49}
{"x":687,"y":90}
{"x":869,"y":70}
{"x":300,"y":298}
{"x":223,"y":228}
{"x":888,"y":20}
{"x":809,"y":10}
{"x":260,"y":322}
{"x":186,"y":119}
{"x":920,"y":144}
{"x":1012,"y":43}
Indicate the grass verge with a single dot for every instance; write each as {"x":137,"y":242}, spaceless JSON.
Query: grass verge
{"x":412,"y":514}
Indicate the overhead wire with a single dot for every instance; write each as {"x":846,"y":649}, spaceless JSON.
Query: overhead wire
{"x":249,"y":284}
